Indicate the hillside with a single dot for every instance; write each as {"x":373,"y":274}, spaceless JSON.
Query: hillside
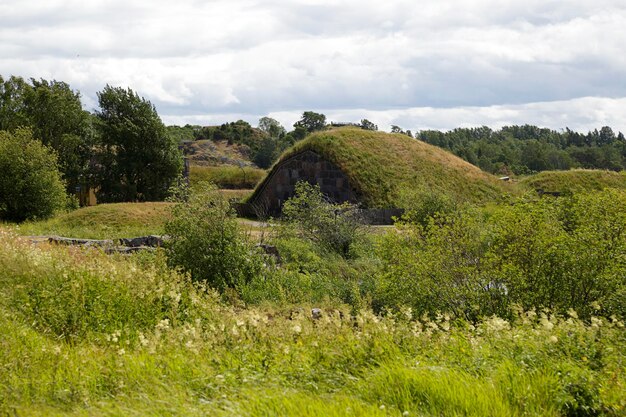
{"x":384,"y":168}
{"x":575,"y":181}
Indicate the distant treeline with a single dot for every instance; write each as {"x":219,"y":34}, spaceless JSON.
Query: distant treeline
{"x":527,"y":149}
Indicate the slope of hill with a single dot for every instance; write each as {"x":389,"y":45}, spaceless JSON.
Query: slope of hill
{"x":383,"y":167}
{"x":575,"y":181}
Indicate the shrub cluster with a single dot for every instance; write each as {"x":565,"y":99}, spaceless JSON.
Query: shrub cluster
{"x":559,"y":254}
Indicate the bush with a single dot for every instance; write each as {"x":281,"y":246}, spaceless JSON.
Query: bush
{"x":207,"y":242}
{"x":559,"y":254}
{"x":334,"y":227}
{"x":30,"y":182}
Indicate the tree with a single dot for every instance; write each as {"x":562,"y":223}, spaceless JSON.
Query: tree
{"x":12,"y":107}
{"x":367,"y":125}
{"x":30,"y":182}
{"x":59,"y":121}
{"x":272,"y":127}
{"x":311,"y":121}
{"x":53,"y":111}
{"x":137,"y":159}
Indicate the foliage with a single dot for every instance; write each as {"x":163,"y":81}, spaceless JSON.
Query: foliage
{"x":311,"y":121}
{"x":53,"y":111}
{"x":367,"y":125}
{"x":206,"y":241}
{"x":332,"y":226}
{"x":527,"y":149}
{"x":137,"y":160}
{"x":558,"y":254}
{"x":82,"y":333}
{"x":271,"y":127}
{"x":30,"y":182}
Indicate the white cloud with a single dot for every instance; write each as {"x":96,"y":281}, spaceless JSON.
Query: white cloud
{"x":231,"y":58}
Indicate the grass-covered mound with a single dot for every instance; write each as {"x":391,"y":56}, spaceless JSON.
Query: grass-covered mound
{"x":104,"y":221}
{"x":383,"y":167}
{"x":575,"y":181}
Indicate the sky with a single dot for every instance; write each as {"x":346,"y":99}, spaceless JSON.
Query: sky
{"x":427,"y":64}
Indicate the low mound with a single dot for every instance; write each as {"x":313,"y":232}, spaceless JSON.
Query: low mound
{"x":104,"y":221}
{"x":382,"y":167}
{"x":575,"y":181}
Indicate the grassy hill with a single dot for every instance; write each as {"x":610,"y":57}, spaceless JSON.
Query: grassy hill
{"x":105,"y":221}
{"x":575,"y":181}
{"x":385,"y":167}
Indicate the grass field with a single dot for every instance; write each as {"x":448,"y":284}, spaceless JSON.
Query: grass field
{"x":86,"y":334}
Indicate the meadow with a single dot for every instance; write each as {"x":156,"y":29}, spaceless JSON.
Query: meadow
{"x":83,"y":333}
{"x":513,"y":309}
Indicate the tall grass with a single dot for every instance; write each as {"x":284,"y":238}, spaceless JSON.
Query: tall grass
{"x":86,"y":334}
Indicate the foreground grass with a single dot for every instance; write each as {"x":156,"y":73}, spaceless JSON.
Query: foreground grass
{"x":86,"y":334}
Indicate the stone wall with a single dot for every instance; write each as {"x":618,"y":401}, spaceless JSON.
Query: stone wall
{"x":306,"y":166}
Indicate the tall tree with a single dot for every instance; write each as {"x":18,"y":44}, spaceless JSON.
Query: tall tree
{"x":272,"y":127}
{"x":311,"y":121}
{"x":137,"y":160}
{"x":59,"y":121}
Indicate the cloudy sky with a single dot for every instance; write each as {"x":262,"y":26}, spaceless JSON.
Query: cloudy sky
{"x":417,"y":64}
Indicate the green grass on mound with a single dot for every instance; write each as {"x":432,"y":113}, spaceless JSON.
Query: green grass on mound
{"x":385,"y":167}
{"x":105,"y":221}
{"x":227,"y":176}
{"x":576,"y":180}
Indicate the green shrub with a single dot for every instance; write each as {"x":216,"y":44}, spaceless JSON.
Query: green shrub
{"x":334,"y":227}
{"x":30,"y":182}
{"x":207,"y":242}
{"x":560,"y":254}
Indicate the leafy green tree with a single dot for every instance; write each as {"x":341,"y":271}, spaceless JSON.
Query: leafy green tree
{"x":13,"y":112}
{"x":30,"y":182}
{"x":311,"y":121}
{"x":58,"y":120}
{"x":137,"y":159}
{"x":367,"y":125}
{"x":271,"y":127}
{"x":53,"y":111}
{"x":206,"y":240}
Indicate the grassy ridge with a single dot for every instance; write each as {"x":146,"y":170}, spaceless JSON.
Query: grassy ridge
{"x":576,"y":180}
{"x":383,"y":166}
{"x":86,"y":334}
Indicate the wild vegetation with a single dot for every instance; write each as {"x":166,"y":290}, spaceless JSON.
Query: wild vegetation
{"x":84,"y":333}
{"x":482,"y":300}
